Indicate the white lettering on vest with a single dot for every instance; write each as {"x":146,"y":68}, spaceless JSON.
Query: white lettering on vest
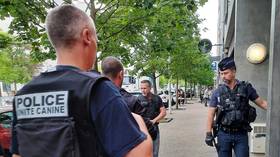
{"x":42,"y":105}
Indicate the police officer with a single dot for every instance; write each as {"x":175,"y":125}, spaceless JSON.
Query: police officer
{"x":230,"y":103}
{"x":155,"y":110}
{"x":113,"y":69}
{"x":68,"y":111}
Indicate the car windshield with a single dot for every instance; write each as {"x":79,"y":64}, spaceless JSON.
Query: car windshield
{"x":6,"y":119}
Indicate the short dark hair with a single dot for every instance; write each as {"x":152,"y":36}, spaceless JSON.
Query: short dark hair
{"x":148,"y":82}
{"x":111,"y":66}
{"x":64,"y":25}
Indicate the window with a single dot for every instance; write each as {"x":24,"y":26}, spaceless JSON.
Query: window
{"x":6,"y":87}
{"x":127,"y":80}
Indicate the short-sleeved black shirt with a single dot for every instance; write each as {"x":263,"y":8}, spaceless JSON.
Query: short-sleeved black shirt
{"x":153,"y":103}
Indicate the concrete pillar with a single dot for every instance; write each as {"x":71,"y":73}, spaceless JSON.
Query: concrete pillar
{"x":252,"y":25}
{"x":273,"y":118}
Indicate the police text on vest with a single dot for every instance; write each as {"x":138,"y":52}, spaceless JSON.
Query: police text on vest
{"x":42,"y":105}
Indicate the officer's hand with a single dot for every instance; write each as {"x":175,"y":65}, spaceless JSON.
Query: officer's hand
{"x":153,"y":121}
{"x":209,"y":139}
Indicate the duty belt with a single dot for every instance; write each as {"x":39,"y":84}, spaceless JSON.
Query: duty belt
{"x":231,"y":130}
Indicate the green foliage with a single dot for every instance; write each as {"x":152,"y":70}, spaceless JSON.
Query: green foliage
{"x":15,"y":63}
{"x":154,"y":36}
{"x":5,"y":40}
{"x":162,"y":81}
{"x":27,"y":23}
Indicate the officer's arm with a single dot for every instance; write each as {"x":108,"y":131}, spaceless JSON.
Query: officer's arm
{"x":15,"y":155}
{"x":144,"y":148}
{"x":261,"y":103}
{"x":161,"y":115}
{"x":210,"y":118}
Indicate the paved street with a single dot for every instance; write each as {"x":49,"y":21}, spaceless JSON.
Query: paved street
{"x":184,"y":135}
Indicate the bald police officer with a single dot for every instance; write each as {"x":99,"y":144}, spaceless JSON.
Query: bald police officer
{"x":230,"y":104}
{"x":68,"y":111}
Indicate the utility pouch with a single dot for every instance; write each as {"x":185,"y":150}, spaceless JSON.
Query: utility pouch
{"x":252,"y":114}
{"x":48,"y":138}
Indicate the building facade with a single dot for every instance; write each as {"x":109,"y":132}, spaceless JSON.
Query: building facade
{"x":245,"y":22}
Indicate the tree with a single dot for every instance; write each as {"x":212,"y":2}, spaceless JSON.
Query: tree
{"x":16,"y":65}
{"x":5,"y":40}
{"x":116,"y":23}
{"x":169,"y":34}
{"x":27,"y":25}
{"x":142,"y":33}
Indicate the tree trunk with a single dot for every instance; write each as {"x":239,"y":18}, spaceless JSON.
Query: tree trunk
{"x":96,"y":65}
{"x":15,"y":84}
{"x":0,"y":90}
{"x":176,"y":91}
{"x":191,"y":90}
{"x":93,"y":12}
{"x":185,"y":102}
{"x":194,"y":90}
{"x":154,"y":82}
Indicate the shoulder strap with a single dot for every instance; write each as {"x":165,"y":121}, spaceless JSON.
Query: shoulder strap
{"x":156,"y":101}
{"x":155,"y":98}
{"x":96,"y":79}
{"x":224,"y":93}
{"x":222,"y":89}
{"x":140,"y":98}
{"x":242,"y":89}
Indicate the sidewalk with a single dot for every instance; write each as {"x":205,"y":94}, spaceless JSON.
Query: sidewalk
{"x":184,"y":135}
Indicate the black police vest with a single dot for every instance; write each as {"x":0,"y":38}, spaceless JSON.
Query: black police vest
{"x":53,"y":116}
{"x":151,"y":106}
{"x":234,"y":110}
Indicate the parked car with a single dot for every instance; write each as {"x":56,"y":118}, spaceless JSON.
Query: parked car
{"x":165,"y":98}
{"x":6,"y":118}
{"x":189,"y":93}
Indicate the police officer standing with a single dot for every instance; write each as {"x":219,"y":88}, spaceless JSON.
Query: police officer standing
{"x":68,"y":111}
{"x":230,"y":106}
{"x":155,"y":110}
{"x":113,"y":69}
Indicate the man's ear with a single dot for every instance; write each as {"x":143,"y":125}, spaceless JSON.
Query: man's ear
{"x":86,"y":36}
{"x":121,"y":74}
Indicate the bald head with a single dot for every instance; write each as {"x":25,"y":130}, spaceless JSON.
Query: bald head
{"x":64,"y":25}
{"x":111,"y":67}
